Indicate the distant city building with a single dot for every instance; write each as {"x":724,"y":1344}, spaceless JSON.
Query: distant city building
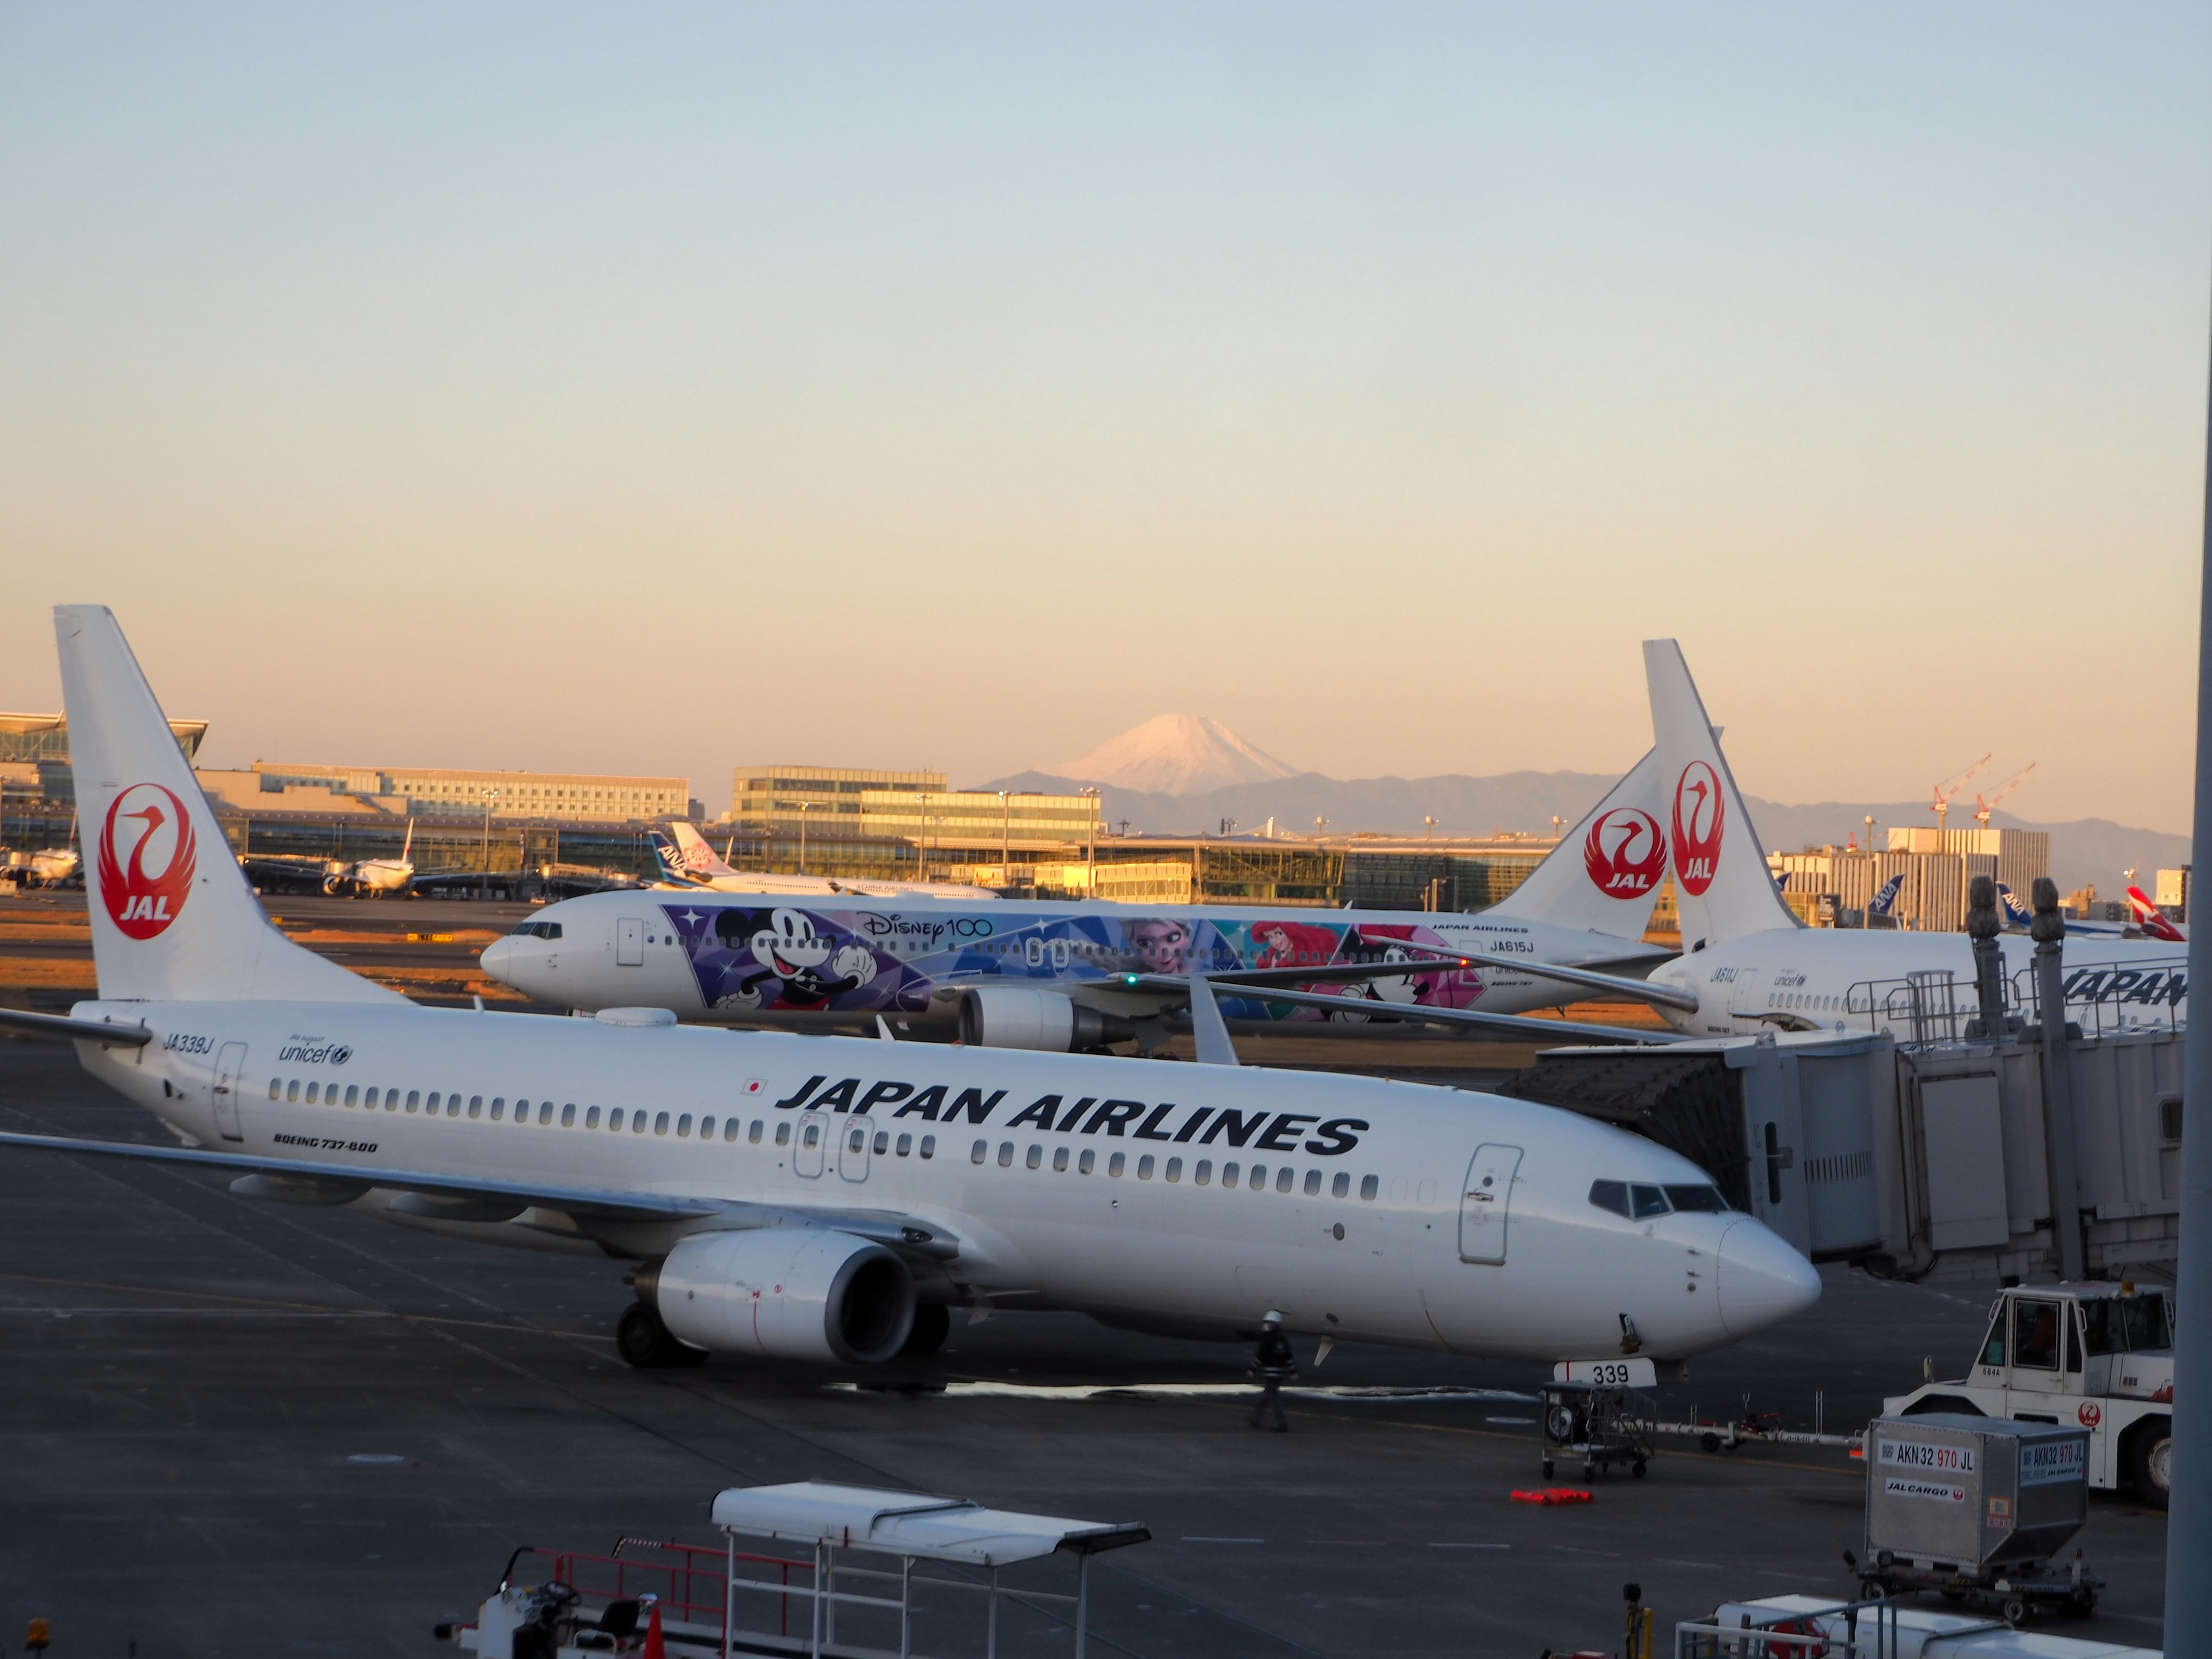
{"x":2172,"y":894}
{"x":1933,"y":870}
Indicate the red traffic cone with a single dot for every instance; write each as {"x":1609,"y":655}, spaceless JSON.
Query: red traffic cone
{"x":654,"y":1647}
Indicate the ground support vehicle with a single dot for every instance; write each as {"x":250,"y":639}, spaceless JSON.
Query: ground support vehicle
{"x":2096,"y":1355}
{"x":1808,"y":1627}
{"x":1976,"y":1509}
{"x":1602,"y":1423}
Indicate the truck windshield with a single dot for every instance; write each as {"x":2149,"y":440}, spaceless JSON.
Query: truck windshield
{"x":2126,"y":1324}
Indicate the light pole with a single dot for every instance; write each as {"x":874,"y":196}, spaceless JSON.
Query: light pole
{"x":804,"y":807}
{"x":1005,"y":840}
{"x":1428,"y":828}
{"x":1090,"y":829}
{"x":484,"y":875}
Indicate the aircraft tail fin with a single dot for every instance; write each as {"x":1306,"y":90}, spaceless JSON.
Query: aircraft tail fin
{"x":407,"y":847}
{"x":1885,"y":901}
{"x":698,"y":859}
{"x":173,"y":918}
{"x":1606,"y":875}
{"x":2152,"y":919}
{"x":2016,"y":913}
{"x":1722,"y":882}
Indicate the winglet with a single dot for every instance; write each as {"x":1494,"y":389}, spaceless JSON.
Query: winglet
{"x":1214,"y":1047}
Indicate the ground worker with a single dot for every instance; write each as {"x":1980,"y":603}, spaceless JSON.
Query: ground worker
{"x":1274,"y":1365}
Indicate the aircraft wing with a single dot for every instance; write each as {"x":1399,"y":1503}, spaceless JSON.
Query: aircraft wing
{"x":901,"y":1232}
{"x":1638,"y":990}
{"x":1178,"y":988}
{"x":1442,"y":957}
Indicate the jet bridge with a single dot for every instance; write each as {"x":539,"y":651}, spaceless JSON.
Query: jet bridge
{"x":1910,"y":1158}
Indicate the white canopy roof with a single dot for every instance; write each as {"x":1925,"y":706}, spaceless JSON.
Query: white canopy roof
{"x":918,"y":1524}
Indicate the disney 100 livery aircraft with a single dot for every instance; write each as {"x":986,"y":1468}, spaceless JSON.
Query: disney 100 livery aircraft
{"x":832,"y":1198}
{"x":1062,"y":977}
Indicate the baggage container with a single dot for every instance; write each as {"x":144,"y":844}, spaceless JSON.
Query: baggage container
{"x":1973,"y":1495}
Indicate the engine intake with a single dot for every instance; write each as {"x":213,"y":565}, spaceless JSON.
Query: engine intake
{"x":787,"y":1292}
{"x":1016,"y":1018}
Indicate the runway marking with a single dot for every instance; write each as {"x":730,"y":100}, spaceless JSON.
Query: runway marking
{"x":1192,"y":1537}
{"x":1470,"y":1547}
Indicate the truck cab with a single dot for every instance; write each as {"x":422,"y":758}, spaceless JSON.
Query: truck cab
{"x":2100,"y":1355}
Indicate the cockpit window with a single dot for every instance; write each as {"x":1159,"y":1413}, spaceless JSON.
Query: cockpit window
{"x":1707,"y":1198}
{"x":1610,"y":1195}
{"x":1648,"y":1201}
{"x":539,"y":930}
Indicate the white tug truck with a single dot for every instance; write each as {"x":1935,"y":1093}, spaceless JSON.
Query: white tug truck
{"x":2098,"y":1355}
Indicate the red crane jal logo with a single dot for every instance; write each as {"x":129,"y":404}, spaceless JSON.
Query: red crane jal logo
{"x":146,"y":860}
{"x":1626,"y":853}
{"x":1700,"y":816}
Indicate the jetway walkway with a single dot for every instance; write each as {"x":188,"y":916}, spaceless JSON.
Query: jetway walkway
{"x":1912,"y":1159}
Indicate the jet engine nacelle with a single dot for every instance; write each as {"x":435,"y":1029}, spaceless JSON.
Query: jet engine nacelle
{"x":787,"y":1292}
{"x":992,"y":1017}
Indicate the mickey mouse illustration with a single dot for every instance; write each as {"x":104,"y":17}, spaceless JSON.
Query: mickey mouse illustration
{"x":790,"y":955}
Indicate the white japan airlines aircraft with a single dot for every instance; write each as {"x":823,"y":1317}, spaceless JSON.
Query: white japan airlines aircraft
{"x":830,"y":1198}
{"x":1072,"y":975}
{"x":686,"y":860}
{"x":1751,"y":964}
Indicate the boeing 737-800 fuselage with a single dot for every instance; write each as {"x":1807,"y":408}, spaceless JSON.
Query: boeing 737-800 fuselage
{"x":1144,"y":1192}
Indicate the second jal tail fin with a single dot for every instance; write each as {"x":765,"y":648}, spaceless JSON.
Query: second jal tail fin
{"x":1722,"y":882}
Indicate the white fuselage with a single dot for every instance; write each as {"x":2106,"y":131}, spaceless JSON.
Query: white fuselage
{"x":383,"y":875}
{"x":708,"y":956}
{"x":1349,"y":1203}
{"x":1847,"y":979}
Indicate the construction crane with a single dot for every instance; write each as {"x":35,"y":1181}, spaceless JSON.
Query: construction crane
{"x":1957,"y":782}
{"x":1982,"y":806}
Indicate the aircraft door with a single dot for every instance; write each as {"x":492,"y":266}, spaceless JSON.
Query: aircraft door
{"x":1744,"y":994}
{"x":227,"y":1065}
{"x":629,"y":943}
{"x":807,"y":1149}
{"x":853,"y":1148}
{"x":1485,"y":1198}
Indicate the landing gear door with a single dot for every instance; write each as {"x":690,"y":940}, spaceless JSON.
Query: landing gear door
{"x":629,"y":942}
{"x":807,"y":1148}
{"x":1483,"y":1201}
{"x":227,"y":1065}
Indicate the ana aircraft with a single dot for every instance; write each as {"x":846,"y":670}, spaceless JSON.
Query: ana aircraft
{"x":1750,"y":964}
{"x":687,"y":861}
{"x":1074,"y":975}
{"x":831,"y":1199}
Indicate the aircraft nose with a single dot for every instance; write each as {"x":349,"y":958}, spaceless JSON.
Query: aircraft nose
{"x":496,"y":956}
{"x":1761,"y":1281}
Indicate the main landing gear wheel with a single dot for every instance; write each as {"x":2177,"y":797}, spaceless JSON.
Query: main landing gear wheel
{"x":2150,"y":1463}
{"x":643,"y":1341}
{"x":932,"y":1323}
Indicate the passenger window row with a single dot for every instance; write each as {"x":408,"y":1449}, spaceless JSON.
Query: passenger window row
{"x":1201,"y":1174}
{"x":450,"y":1104}
{"x":1637,"y":1200}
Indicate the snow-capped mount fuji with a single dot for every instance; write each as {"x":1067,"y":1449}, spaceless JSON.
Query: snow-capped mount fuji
{"x":1177,"y":755}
